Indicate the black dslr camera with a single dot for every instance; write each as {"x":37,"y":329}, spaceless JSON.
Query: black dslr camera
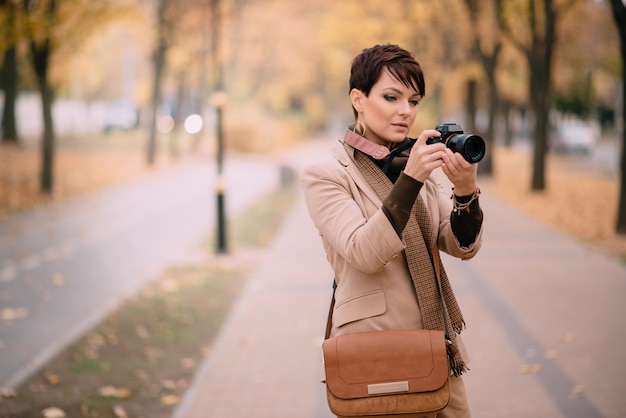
{"x":470,"y":146}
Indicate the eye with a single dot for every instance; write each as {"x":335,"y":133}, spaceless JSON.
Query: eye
{"x":414,"y":102}
{"x":390,"y":97}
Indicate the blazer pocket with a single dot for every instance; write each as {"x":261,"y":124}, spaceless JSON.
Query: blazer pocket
{"x":360,"y":307}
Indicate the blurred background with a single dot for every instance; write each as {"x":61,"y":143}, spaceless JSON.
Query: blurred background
{"x":157,"y":77}
{"x":282,"y":67}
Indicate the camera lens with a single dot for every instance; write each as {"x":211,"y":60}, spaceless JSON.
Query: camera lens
{"x":470,"y":146}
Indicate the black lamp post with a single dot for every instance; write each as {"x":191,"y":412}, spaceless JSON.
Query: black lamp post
{"x":220,"y":187}
{"x":219,"y":101}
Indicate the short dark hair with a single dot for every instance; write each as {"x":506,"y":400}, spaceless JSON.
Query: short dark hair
{"x":368,"y":66}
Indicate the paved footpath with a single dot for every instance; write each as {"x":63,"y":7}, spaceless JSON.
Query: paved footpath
{"x":545,"y":328}
{"x":64,"y":267}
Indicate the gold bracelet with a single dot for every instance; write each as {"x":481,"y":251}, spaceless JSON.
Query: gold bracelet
{"x":457,"y":207}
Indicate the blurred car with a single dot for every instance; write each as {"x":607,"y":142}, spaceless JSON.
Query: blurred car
{"x":120,"y":115}
{"x":574,"y":136}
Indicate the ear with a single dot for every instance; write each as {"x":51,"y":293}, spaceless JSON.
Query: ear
{"x":356,"y":97}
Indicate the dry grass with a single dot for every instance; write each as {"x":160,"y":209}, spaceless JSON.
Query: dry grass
{"x":79,"y":169}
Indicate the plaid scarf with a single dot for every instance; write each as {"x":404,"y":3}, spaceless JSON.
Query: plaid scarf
{"x":419,"y":235}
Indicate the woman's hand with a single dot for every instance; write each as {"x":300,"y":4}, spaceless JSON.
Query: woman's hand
{"x":424,"y":158}
{"x":460,"y":172}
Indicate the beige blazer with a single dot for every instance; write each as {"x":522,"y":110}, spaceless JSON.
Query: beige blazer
{"x":374,"y":287}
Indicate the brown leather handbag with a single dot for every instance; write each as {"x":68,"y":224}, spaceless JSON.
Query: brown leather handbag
{"x":387,"y":373}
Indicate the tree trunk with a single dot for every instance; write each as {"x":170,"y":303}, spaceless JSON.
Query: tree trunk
{"x":486,"y":166}
{"x":8,"y":73}
{"x":540,"y":109}
{"x":159,"y":60}
{"x":41,"y":55}
{"x":540,"y":63}
{"x":619,"y":14}
{"x":505,"y":114}
{"x":9,"y":83}
{"x":159,"y":64}
{"x":470,"y":106}
{"x":41,"y":50}
{"x":178,"y":114}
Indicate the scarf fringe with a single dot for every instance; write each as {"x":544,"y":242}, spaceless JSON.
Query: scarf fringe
{"x":458,"y":367}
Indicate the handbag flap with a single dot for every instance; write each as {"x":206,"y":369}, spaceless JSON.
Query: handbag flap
{"x":374,"y":363}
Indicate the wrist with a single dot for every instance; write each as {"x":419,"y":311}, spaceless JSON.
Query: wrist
{"x":462,"y":202}
{"x":464,"y":190}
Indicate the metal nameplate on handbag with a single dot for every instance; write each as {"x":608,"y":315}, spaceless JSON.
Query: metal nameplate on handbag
{"x":391,"y":387}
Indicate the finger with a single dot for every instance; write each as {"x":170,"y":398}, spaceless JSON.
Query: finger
{"x":461,"y":161}
{"x":428,"y":152}
{"x":451,"y":162}
{"x":427,"y":133}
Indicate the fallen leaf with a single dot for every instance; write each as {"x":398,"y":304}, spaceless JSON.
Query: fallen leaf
{"x":93,"y":344}
{"x":113,"y":392}
{"x":153,"y":353}
{"x":169,"y":399}
{"x":53,"y":379}
{"x":551,"y":354}
{"x":8,"y":393}
{"x":11,"y":314}
{"x":58,"y":280}
{"x":124,"y":393}
{"x":188,"y":363}
{"x":528,"y":368}
{"x":111,"y":337}
{"x":119,"y":412}
{"x":108,"y":391}
{"x":53,"y":412}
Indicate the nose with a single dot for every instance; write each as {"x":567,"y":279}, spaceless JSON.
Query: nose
{"x":404,"y":108}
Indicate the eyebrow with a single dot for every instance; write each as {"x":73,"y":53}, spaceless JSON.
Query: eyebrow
{"x":400,"y":91}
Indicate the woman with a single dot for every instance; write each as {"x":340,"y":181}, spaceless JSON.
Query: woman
{"x":379,"y":210}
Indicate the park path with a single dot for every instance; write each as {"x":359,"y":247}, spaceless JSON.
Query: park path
{"x":65,"y":266}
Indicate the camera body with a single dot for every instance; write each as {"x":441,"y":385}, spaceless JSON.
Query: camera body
{"x":470,"y":146}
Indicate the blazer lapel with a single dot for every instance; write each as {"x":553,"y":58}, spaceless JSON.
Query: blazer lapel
{"x":340,"y":152}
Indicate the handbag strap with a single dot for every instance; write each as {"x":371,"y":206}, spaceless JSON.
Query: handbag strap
{"x":436,"y":263}
{"x":330,"y":312}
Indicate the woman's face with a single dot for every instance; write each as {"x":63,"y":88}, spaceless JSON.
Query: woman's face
{"x":389,"y":111}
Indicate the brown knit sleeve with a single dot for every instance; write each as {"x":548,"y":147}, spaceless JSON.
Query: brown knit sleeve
{"x":397,"y":206}
{"x":466,"y":224}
